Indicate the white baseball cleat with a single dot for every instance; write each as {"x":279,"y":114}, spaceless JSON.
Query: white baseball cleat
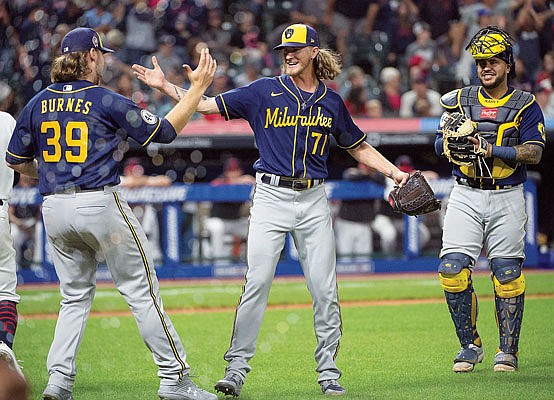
{"x":184,"y":390}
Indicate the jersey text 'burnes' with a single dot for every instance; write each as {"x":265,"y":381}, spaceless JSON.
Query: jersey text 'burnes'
{"x":65,"y":104}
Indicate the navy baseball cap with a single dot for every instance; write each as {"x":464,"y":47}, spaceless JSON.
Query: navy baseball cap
{"x":83,"y":39}
{"x":298,"y":35}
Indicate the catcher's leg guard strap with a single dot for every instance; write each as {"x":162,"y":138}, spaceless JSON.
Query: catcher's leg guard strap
{"x":507,"y":277}
{"x":509,"y":315}
{"x":454,"y":272}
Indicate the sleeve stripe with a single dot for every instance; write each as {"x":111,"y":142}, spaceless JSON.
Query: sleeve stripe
{"x":227,"y":117}
{"x":20,"y":157}
{"x":153,"y":133}
{"x":537,"y":142}
{"x":355,"y":144}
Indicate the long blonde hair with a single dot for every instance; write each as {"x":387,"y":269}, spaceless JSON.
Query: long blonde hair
{"x":70,"y":67}
{"x":327,"y":64}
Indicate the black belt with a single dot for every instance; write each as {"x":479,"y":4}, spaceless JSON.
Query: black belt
{"x":77,"y":189}
{"x":291,"y":183}
{"x":481,"y":184}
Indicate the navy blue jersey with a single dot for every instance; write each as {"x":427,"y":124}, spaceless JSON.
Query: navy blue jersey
{"x":292,"y":141}
{"x":75,"y":131}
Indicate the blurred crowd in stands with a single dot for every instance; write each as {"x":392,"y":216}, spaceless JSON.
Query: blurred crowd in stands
{"x":399,"y":56}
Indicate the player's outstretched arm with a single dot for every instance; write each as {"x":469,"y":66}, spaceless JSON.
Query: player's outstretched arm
{"x":155,"y":78}
{"x":200,"y":79}
{"x":369,"y":156}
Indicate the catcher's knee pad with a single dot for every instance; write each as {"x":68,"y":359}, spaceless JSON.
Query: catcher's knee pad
{"x":454,"y":272}
{"x":507,"y":277}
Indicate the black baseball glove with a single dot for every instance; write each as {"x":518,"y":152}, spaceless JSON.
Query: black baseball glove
{"x":414,"y":198}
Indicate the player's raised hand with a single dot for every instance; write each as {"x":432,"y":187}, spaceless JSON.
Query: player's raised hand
{"x":153,"y":77}
{"x":204,"y":73}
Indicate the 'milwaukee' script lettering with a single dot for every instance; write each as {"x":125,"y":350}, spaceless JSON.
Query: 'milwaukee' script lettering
{"x":278,"y":118}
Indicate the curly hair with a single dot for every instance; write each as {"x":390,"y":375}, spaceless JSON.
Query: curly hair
{"x":327,"y":64}
{"x":69,"y":67}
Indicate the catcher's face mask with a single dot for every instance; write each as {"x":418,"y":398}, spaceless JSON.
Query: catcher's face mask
{"x":492,"y":42}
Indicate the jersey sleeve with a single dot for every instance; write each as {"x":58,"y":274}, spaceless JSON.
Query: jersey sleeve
{"x":140,"y":124}
{"x":531,"y":127}
{"x":242,"y":102}
{"x":346,"y":132}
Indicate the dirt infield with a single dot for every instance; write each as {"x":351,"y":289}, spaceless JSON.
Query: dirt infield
{"x":343,"y":304}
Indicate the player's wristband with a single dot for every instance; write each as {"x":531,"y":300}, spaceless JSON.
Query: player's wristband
{"x":504,"y":152}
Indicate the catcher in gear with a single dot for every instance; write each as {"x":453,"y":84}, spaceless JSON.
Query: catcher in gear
{"x":489,"y":133}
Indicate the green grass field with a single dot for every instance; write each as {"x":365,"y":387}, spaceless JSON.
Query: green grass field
{"x":398,"y":343}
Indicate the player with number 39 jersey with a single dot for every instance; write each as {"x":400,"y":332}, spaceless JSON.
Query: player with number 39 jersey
{"x":70,"y":127}
{"x":72,"y":136}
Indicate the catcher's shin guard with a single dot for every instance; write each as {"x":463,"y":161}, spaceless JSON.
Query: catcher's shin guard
{"x":509,"y":288}
{"x":455,"y":277}
{"x":509,"y":315}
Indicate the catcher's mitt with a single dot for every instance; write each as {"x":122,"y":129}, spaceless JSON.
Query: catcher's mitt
{"x":414,"y":198}
{"x":456,"y":128}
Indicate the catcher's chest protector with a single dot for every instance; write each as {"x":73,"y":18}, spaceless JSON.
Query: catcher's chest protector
{"x":495,"y":118}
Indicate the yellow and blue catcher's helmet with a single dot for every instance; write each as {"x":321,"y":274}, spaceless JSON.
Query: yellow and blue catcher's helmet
{"x":492,"y":42}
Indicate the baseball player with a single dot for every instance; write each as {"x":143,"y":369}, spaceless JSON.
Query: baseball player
{"x":8,"y":277}
{"x":486,"y":208}
{"x":70,"y":135}
{"x":292,"y":117}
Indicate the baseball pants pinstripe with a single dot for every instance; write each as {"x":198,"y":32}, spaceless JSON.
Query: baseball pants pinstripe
{"x":80,"y":227}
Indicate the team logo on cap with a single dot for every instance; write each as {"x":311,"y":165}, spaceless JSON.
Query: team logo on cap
{"x":288,"y":33}
{"x":148,"y":117}
{"x":95,"y":41}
